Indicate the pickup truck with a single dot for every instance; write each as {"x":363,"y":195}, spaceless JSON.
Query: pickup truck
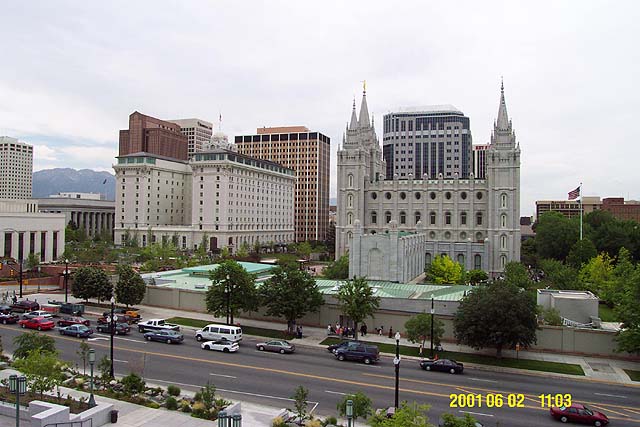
{"x":156,"y":325}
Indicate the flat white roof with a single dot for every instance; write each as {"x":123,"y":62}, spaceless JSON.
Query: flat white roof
{"x":441,"y":108}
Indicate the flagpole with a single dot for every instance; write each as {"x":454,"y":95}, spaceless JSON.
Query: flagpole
{"x":581,"y":211}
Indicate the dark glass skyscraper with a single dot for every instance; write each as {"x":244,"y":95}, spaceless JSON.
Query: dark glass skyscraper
{"x":427,"y":141}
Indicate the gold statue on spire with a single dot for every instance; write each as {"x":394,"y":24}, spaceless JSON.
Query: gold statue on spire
{"x":364,"y":85}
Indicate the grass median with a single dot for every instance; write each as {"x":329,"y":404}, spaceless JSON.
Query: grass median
{"x":480,"y":359}
{"x":246,"y":330}
{"x":634,"y":375}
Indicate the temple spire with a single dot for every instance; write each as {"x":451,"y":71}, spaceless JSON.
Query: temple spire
{"x":354,"y":119}
{"x":363,"y":121}
{"x":503,"y":118}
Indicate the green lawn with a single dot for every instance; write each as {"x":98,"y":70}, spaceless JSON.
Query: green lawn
{"x":248,"y":330}
{"x":634,"y":375}
{"x":535,"y":365}
{"x":606,"y":313}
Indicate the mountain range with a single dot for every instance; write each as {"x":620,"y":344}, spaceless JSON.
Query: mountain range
{"x":53,"y":181}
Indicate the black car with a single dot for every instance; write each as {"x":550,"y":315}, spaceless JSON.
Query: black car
{"x":25,"y":306}
{"x":5,"y":308}
{"x":121,"y":328}
{"x":360,"y":353}
{"x":442,"y":365}
{"x":164,"y":335}
{"x":333,"y":347}
{"x":8,"y":318}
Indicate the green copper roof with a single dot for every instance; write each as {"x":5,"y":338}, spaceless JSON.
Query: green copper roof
{"x":251,"y":267}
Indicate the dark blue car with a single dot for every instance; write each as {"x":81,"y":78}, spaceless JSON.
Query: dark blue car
{"x":168,"y":336}
{"x":79,"y":331}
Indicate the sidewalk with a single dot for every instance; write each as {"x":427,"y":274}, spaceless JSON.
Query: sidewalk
{"x":596,"y":369}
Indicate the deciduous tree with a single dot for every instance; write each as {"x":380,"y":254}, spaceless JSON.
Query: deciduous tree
{"x":361,"y":405}
{"x":30,"y":341}
{"x":407,"y":415}
{"x":418,"y":329}
{"x":444,"y":270}
{"x":581,"y":253}
{"x":338,"y":269}
{"x":242,"y":295}
{"x":357,"y":301}
{"x":290,"y":293}
{"x":43,"y":370}
{"x":558,"y":275}
{"x":130,"y":288}
{"x":300,"y":403}
{"x":555,"y":235}
{"x":476,"y":276}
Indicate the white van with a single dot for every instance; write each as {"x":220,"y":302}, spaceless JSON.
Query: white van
{"x":216,"y":332}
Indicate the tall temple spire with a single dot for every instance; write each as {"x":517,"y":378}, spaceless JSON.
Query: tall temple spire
{"x":363,"y":121}
{"x":503,"y":118}
{"x":354,"y":120}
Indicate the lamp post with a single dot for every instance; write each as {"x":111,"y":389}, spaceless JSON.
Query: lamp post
{"x":349,"y":412}
{"x":112,"y":330}
{"x":228,"y":292}
{"x":20,"y":272}
{"x":17,"y":385}
{"x":92,"y":361}
{"x":66,"y":280}
{"x":396,"y":362}
{"x":433,"y":311}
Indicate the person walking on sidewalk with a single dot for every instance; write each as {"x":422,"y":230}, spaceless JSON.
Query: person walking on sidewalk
{"x":390,"y":331}
{"x":381,"y":330}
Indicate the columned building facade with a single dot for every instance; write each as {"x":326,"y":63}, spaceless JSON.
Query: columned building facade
{"x":473,"y":221}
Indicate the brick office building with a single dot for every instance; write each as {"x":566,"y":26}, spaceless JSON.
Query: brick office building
{"x":153,"y":136}
{"x":629,"y":210}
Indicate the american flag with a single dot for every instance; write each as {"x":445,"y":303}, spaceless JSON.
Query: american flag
{"x":574,"y":194}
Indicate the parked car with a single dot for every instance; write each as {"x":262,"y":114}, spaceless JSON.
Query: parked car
{"x":37,"y":313}
{"x":79,"y":331}
{"x":278,"y":346}
{"x":120,"y":318}
{"x":360,"y":353}
{"x":8,"y":318}
{"x":5,"y":308}
{"x":224,"y":346}
{"x":39,"y":323}
{"x":165,"y":335}
{"x":133,"y":315}
{"x":579,"y":413}
{"x":333,"y":347}
{"x":73,"y":320}
{"x":121,"y":328}
{"x":25,"y":306}
{"x":442,"y":365}
{"x":217,"y":332}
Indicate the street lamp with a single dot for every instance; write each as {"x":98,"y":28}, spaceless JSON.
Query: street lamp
{"x":20,"y":263}
{"x":92,"y":361}
{"x":396,"y":362}
{"x":433,"y":311}
{"x":113,"y":330}
{"x":228,"y":292}
{"x":349,"y":412}
{"x":66,"y":280}
{"x":17,"y":385}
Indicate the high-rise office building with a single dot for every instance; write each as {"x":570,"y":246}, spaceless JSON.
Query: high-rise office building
{"x":427,"y":141}
{"x":308,"y":153}
{"x":16,"y":168}
{"x":197,"y":131}
{"x":154,"y":136}
{"x":480,"y":160}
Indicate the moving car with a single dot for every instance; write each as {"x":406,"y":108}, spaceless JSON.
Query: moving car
{"x":166,"y":335}
{"x":156,"y":325}
{"x":8,"y":318}
{"x":39,"y":323}
{"x":219,"y":332}
{"x":224,"y":346}
{"x":79,"y":331}
{"x":579,"y":413}
{"x":132,"y":315}
{"x":360,"y":353}
{"x":442,"y":365}
{"x":73,"y":320}
{"x":121,"y":328}
{"x":37,"y":313}
{"x":25,"y":306}
{"x":333,"y":347}
{"x":279,"y":346}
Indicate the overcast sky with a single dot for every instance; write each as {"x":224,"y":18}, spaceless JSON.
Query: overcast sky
{"x":72,"y":72}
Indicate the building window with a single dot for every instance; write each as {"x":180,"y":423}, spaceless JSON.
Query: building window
{"x":432,"y":218}
{"x":503,"y":261}
{"x":447,"y":218}
{"x":503,"y":221}
{"x":463,"y":218}
{"x":432,"y":195}
{"x":374,"y":196}
{"x":479,"y":237}
{"x":403,"y":195}
{"x":479,"y":195}
{"x":427,"y":259}
{"x":349,"y":218}
{"x":374,"y":218}
{"x":463,"y":195}
{"x":503,"y":201}
{"x":350,"y":180}
{"x":447,"y":195}
{"x":417,"y":195}
{"x":387,"y":195}
{"x":417,"y":215}
{"x":479,"y":218}
{"x":350,"y":200}
{"x":387,"y":217}
{"x":461,"y":259}
{"x":477,"y":262}
{"x":503,"y":242}
{"x":403,"y":218}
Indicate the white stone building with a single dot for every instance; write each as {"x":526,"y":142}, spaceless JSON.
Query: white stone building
{"x":219,"y":198}
{"x":85,"y":210}
{"x":16,"y":168}
{"x":197,"y":131}
{"x":473,"y":221}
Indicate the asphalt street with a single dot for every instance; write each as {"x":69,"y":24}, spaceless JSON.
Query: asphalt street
{"x":270,"y":378}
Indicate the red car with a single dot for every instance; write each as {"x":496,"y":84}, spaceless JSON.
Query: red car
{"x":579,"y":413}
{"x":39,"y":323}
{"x":72,"y":320}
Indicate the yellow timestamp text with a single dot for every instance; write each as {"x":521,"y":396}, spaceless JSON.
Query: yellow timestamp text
{"x":490,"y":400}
{"x":549,"y":400}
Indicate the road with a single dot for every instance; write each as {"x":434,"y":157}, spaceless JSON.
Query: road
{"x":270,"y":378}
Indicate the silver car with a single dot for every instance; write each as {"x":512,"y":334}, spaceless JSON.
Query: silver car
{"x":37,"y":313}
{"x":278,"y":346}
